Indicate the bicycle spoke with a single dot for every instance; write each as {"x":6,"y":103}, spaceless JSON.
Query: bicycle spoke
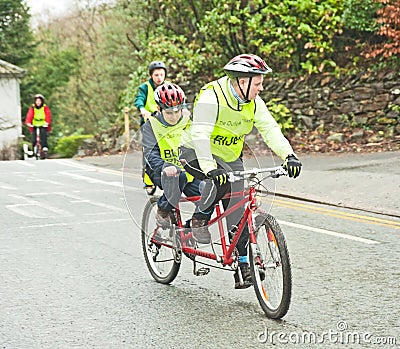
{"x":158,"y":246}
{"x":274,"y":290}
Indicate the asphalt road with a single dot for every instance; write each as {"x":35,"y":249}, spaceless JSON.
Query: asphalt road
{"x":73,"y":274}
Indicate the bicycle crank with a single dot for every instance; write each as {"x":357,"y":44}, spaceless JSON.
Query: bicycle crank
{"x":201,"y":271}
{"x":177,"y":252}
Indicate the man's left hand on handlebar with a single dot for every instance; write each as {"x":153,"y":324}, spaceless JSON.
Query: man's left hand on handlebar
{"x":292,"y":165}
{"x":219,"y":176}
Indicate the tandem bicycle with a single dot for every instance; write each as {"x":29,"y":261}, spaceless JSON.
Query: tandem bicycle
{"x":268,"y":254}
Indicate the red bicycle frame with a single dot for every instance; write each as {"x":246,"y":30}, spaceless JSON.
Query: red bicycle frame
{"x":248,"y":198}
{"x":37,"y":149}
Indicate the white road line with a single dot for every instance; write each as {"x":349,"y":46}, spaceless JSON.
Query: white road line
{"x":78,"y":199}
{"x":121,"y":173}
{"x":47,"y":225}
{"x":91,"y":180}
{"x":90,"y":168}
{"x":44,"y":180}
{"x":328,"y":232}
{"x":26,"y":163}
{"x":27,"y":210}
{"x":7,"y":186}
{"x":38,"y":208}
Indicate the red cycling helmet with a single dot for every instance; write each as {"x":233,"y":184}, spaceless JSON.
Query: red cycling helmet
{"x":169,"y":96}
{"x":246,"y":65}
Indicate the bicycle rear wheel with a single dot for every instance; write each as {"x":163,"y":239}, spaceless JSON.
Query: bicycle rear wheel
{"x":270,"y":268}
{"x":158,"y":246}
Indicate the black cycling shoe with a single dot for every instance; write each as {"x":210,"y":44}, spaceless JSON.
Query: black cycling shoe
{"x":200,"y":231}
{"x":246,"y":276}
{"x":163,"y":218}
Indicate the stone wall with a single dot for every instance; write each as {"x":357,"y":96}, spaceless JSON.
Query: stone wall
{"x":364,"y":101}
{"x":359,"y":109}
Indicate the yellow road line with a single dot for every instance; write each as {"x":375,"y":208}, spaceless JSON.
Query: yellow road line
{"x":334,"y":213}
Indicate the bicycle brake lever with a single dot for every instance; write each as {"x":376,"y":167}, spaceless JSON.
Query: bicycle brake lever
{"x":281,"y":171}
{"x":231,"y":177}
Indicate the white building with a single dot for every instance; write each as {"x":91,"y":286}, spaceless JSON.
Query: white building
{"x":10,"y":110}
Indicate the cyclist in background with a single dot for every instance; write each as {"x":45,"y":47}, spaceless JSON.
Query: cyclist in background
{"x":144,"y":100}
{"x":225,"y":112}
{"x":161,"y":138}
{"x":38,"y":119}
{"x":145,"y":103}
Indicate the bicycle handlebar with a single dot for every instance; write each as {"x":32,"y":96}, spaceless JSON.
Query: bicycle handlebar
{"x":274,"y":172}
{"x":30,"y":125}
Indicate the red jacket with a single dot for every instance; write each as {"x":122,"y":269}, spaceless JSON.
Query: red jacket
{"x":31,"y":114}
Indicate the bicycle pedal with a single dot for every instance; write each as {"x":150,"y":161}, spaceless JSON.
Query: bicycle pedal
{"x":177,"y":255}
{"x":202,"y":271}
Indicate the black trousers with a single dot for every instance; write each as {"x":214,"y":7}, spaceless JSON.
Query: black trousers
{"x":43,"y":136}
{"x":212,"y":194}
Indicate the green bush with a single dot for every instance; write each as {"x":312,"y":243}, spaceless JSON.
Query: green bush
{"x":281,"y":114}
{"x":68,"y":146}
{"x":360,"y":15}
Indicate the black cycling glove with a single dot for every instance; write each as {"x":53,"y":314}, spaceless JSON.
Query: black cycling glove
{"x":292,"y":165}
{"x":219,"y":176}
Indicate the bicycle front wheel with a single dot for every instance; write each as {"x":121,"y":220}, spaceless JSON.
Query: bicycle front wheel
{"x":36,"y":152}
{"x":270,"y":268}
{"x":158,"y":247}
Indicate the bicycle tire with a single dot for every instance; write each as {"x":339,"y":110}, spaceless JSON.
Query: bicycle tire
{"x":159,"y":257}
{"x":275,"y":289}
{"x":36,"y":152}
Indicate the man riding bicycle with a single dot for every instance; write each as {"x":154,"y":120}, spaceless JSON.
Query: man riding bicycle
{"x":38,"y":119}
{"x":225,"y":111}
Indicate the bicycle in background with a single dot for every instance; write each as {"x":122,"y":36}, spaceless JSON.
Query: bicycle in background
{"x":39,"y":152}
{"x":268,"y":255}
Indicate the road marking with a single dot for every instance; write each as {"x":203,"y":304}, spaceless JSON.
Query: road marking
{"x":45,"y":180}
{"x":92,"y":168}
{"x":328,"y":232}
{"x":48,"y":225}
{"x":7,"y":186}
{"x":25,"y":163}
{"x":334,"y":213}
{"x":77,"y":199}
{"x":91,"y":179}
{"x":35,"y":212}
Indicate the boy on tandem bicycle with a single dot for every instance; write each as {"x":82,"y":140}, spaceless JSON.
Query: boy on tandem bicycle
{"x":161,"y":138}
